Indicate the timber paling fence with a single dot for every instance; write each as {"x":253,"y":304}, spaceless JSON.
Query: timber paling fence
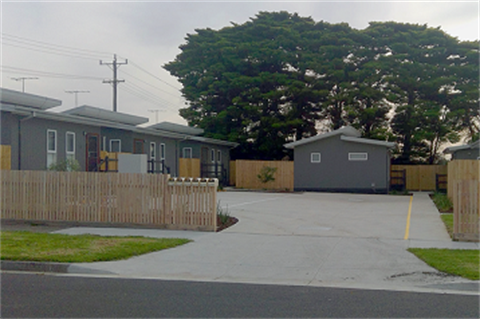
{"x":466,"y":210}
{"x":464,"y":190}
{"x":417,"y":177}
{"x":247,"y":171}
{"x":115,"y":198}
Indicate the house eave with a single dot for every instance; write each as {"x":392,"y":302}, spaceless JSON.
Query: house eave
{"x":367,"y":141}
{"x":27,"y":100}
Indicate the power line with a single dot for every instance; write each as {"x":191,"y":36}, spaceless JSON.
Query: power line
{"x":149,"y":99}
{"x":10,"y":69}
{"x":152,"y":75}
{"x":49,"y":52}
{"x":32,"y":42}
{"x":144,"y":82}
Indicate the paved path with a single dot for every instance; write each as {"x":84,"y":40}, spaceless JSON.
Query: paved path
{"x":310,"y":239}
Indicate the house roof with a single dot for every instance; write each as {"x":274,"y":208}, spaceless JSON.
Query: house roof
{"x":453,"y":149}
{"x":102,"y":114}
{"x":99,"y":121}
{"x":367,"y":141}
{"x":177,"y":128}
{"x":27,"y":100}
{"x":347,"y":133}
{"x":346,"y":130}
{"x":212,"y":141}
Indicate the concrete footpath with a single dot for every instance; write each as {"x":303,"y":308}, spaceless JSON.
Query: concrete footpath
{"x":308,"y":239}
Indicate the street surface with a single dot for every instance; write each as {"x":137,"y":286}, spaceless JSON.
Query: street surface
{"x":308,"y":239}
{"x":29,"y":295}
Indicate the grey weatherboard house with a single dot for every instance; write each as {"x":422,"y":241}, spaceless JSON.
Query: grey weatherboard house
{"x":341,"y":161}
{"x":38,"y":137}
{"x":466,"y":152}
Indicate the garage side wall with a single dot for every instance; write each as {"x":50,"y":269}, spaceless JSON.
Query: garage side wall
{"x":335,"y":172}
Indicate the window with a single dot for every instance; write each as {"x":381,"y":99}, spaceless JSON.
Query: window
{"x":187,"y":152}
{"x":219,"y":156}
{"x":162,"y":151}
{"x":51,"y":147}
{"x":315,"y":158}
{"x":212,"y":155}
{"x":162,"y":156}
{"x":115,"y":146}
{"x":70,"y":145}
{"x":357,"y":156}
{"x":153,"y":151}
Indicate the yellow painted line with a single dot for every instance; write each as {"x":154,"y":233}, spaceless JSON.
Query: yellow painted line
{"x":407,"y":229}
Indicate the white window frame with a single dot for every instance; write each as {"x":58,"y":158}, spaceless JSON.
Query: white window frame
{"x":119,"y":145}
{"x":314,"y":160}
{"x":184,"y":151}
{"x":219,"y":156}
{"x":70,"y":154}
{"x":104,"y":148}
{"x":354,"y":156}
{"x":212,"y":155}
{"x":51,"y":153}
{"x":153,"y":147}
{"x":162,"y":151}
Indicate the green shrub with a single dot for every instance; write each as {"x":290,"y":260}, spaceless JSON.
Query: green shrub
{"x":443,"y":203}
{"x":267,"y":174}
{"x":223,"y":214}
{"x":68,"y":165}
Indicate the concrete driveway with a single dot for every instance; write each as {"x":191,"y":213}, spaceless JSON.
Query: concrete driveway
{"x":316,"y":239}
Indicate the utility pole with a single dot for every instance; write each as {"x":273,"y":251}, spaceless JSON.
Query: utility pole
{"x":23,"y":81}
{"x":76,"y":95}
{"x":115,"y":65}
{"x":156,"y":114}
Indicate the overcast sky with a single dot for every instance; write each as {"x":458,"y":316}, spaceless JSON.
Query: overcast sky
{"x":55,"y":40}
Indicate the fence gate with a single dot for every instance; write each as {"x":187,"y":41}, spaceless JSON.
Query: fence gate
{"x":398,"y":179}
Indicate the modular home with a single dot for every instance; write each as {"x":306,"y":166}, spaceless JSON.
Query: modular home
{"x":341,"y":161}
{"x":33,"y":137}
{"x":464,"y":152}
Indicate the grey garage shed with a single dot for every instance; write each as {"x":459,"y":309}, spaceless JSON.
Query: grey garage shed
{"x":341,"y":161}
{"x":468,"y":152}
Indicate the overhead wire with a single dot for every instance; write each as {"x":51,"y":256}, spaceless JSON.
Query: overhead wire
{"x":151,"y":74}
{"x":44,"y":47}
{"x":10,"y":69}
{"x":49,"y":52}
{"x":144,"y":82}
{"x":98,"y":54}
{"x":148,"y":96}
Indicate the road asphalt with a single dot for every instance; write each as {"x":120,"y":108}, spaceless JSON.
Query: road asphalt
{"x":298,"y":239}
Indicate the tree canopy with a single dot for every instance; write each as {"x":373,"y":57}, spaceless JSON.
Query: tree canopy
{"x":280,"y":77}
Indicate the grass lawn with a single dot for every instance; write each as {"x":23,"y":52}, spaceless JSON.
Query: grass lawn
{"x":448,"y":221}
{"x":28,"y":246}
{"x":460,"y":262}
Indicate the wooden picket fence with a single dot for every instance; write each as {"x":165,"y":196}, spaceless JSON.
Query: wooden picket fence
{"x":247,"y":171}
{"x":114,"y":198}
